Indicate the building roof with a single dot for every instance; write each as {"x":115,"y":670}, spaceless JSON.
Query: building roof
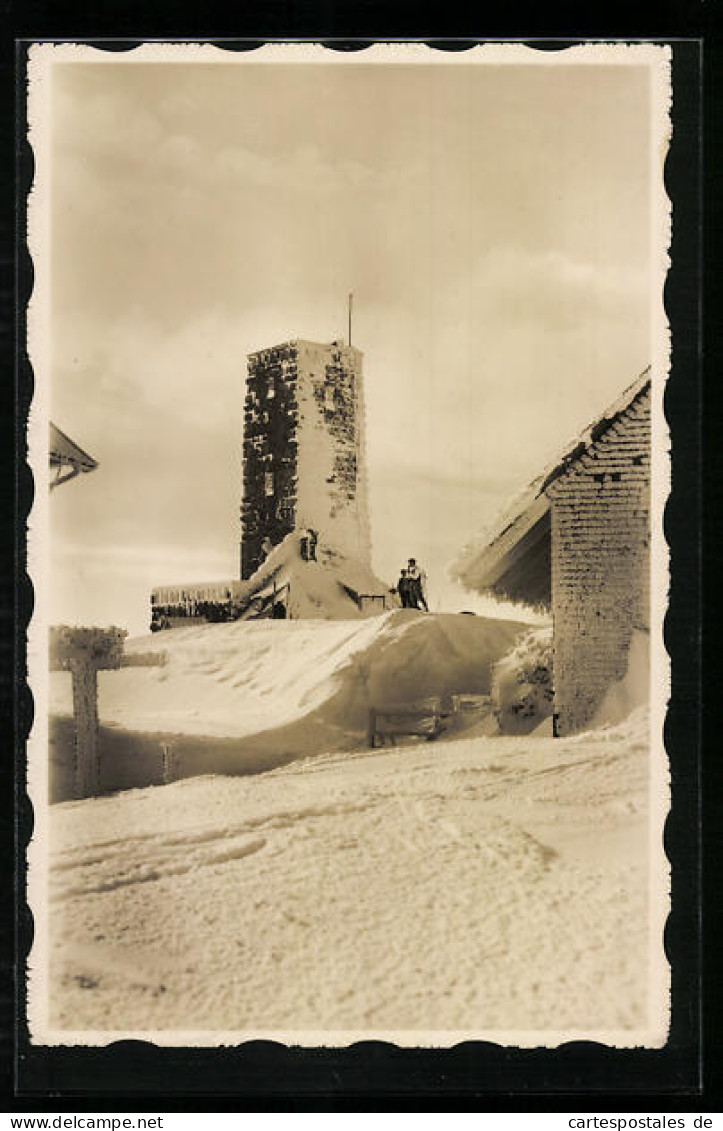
{"x":491,"y":563}
{"x":65,"y":453}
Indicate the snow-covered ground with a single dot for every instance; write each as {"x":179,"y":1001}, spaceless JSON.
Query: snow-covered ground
{"x":247,"y":696}
{"x":423,"y":894}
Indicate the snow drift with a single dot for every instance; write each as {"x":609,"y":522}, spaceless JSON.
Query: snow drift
{"x":522,"y":689}
{"x":246,"y":696}
{"x":427,"y":894}
{"x":633,"y":690}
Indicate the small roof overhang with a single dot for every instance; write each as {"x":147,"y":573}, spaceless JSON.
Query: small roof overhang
{"x":66,"y":457}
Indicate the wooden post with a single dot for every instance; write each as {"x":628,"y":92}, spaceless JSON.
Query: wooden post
{"x":83,"y":652}
{"x":168,"y":762}
{"x":372,"y":728}
{"x":85,"y":710}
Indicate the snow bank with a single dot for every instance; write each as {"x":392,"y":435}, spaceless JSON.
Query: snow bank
{"x":429,"y":894}
{"x":633,"y":690}
{"x":242,"y":697}
{"x":522,"y":684}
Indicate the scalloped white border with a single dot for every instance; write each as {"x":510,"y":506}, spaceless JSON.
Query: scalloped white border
{"x":42,"y":58}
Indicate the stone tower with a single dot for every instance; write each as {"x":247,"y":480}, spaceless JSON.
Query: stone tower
{"x":303,"y":449}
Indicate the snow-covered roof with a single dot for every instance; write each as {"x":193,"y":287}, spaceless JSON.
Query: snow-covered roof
{"x":63,"y":450}
{"x":329,"y":587}
{"x":338,"y":343}
{"x":492,"y":562}
{"x":65,"y":453}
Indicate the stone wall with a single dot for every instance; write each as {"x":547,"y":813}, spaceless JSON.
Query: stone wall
{"x":303,"y":449}
{"x":600,"y":563}
{"x":270,"y":451}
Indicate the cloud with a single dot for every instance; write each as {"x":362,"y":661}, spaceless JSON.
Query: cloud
{"x":492,"y":225}
{"x":551,"y":288}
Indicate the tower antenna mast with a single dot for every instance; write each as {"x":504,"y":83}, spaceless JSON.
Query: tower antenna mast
{"x":351,"y":301}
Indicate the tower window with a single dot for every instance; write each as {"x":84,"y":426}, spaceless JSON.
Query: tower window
{"x":268,"y":482}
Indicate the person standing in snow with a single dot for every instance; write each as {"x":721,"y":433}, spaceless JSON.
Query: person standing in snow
{"x":266,"y":547}
{"x":404,"y":591}
{"x":417,"y":580}
{"x":307,"y":545}
{"x":311,"y":544}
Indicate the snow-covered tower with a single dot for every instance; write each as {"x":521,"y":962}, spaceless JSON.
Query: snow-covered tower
{"x":304,"y":462}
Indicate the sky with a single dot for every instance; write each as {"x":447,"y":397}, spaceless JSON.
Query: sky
{"x":492,"y":221}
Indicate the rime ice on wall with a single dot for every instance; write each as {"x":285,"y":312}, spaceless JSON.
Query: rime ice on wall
{"x":600,"y":563}
{"x":304,"y":452}
{"x":332,"y":496}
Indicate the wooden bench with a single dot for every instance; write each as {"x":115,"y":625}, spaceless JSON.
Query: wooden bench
{"x":423,"y":718}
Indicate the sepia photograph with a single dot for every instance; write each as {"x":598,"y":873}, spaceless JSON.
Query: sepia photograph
{"x":347,"y":544}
